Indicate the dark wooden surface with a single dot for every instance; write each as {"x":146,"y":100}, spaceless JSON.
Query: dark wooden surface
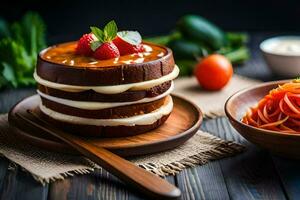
{"x":126,"y":171}
{"x":254,"y":174}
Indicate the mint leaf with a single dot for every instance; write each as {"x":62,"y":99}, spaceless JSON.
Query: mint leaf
{"x":98,"y":33}
{"x":108,"y":34}
{"x":132,"y":37}
{"x":95,"y":45}
{"x":110,"y":31}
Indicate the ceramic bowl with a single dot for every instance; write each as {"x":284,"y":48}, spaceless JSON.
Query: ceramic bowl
{"x":287,"y":145}
{"x":282,"y":64}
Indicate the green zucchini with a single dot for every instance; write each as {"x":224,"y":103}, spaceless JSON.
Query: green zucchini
{"x":185,"y":49}
{"x":197,"y":28}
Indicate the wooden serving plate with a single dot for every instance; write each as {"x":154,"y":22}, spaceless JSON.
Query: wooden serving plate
{"x":182,"y":124}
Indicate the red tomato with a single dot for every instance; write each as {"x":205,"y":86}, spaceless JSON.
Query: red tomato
{"x":213,"y":72}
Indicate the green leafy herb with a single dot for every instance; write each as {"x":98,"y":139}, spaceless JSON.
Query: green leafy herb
{"x":95,"y":45}
{"x":106,"y":35}
{"x":19,"y":44}
{"x":110,"y":31}
{"x":98,"y":33}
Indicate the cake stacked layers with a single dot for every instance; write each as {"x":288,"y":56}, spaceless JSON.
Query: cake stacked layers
{"x":124,"y":96}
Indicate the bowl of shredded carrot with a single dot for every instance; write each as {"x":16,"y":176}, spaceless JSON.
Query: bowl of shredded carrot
{"x":268,"y":115}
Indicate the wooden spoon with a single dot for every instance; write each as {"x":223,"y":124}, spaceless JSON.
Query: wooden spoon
{"x":138,"y":178}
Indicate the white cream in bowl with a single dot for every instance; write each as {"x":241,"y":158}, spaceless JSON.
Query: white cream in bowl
{"x":282,"y":54}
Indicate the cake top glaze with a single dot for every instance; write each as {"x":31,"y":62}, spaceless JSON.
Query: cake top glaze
{"x":65,"y":54}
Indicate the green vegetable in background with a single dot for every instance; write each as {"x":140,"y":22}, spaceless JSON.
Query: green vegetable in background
{"x":198,"y":28}
{"x":185,"y":49}
{"x":236,"y":39}
{"x":238,"y":55}
{"x":19,"y":44}
{"x":196,"y":37}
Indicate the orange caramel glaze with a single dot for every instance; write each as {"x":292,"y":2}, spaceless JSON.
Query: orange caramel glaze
{"x":65,"y":54}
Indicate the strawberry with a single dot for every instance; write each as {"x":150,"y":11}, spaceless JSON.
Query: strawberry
{"x":129,"y":42}
{"x":107,"y":50}
{"x":104,"y":48}
{"x":84,"y":45}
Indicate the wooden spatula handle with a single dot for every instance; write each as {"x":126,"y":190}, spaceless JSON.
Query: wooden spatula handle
{"x":138,"y":178}
{"x":130,"y":173}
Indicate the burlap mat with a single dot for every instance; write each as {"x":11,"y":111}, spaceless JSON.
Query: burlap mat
{"x":211,"y":103}
{"x":48,"y":166}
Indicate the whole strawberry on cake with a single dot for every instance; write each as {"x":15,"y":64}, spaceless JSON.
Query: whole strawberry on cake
{"x":106,"y":84}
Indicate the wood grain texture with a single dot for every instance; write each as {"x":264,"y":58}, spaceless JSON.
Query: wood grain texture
{"x":18,"y":184}
{"x":250,"y":175}
{"x":132,"y":175}
{"x":99,"y":185}
{"x":4,"y":164}
{"x":288,"y":171}
{"x":205,"y":182}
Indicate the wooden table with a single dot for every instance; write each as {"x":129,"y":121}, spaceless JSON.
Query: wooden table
{"x":255,"y":174}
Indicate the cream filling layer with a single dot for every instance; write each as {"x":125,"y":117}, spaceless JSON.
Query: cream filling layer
{"x":144,"y":119}
{"x":114,"y":89}
{"x":87,"y":105}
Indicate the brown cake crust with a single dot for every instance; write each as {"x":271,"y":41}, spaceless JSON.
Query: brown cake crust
{"x":93,"y":96}
{"x":104,"y":131}
{"x":109,"y":113}
{"x":109,"y":75}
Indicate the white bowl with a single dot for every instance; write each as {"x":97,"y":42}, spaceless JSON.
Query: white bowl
{"x":283,"y":64}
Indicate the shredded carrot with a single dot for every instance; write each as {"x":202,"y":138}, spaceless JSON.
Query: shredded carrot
{"x":279,"y":110}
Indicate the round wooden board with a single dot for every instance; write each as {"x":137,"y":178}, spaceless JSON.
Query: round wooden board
{"x":182,"y":124}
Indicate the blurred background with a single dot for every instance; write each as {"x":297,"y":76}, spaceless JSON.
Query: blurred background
{"x":67,"y":20}
{"x":233,"y":29}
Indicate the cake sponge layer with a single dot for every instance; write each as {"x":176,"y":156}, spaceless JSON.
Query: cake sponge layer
{"x":110,"y":127}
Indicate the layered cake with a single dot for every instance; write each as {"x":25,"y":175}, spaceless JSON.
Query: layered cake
{"x":107,"y":84}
